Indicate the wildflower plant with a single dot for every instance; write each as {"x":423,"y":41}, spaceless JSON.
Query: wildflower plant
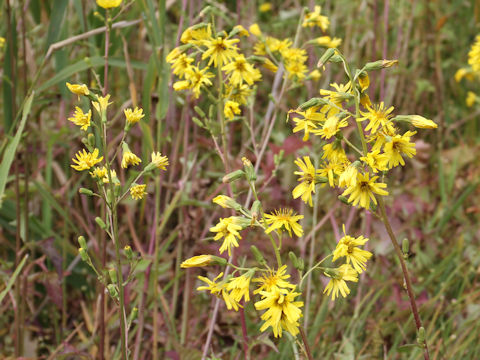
{"x":212,"y":66}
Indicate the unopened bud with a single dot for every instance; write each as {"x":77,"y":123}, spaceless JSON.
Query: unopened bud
{"x":112,"y":291}
{"x":325,"y":57}
{"x":417,"y":121}
{"x":249,"y":170}
{"x":421,"y":336}
{"x":227,"y":202}
{"x":257,"y":255}
{"x":128,"y":252}
{"x":83,"y":254}
{"x":380,"y":64}
{"x":313,"y":102}
{"x":91,"y":140}
{"x":113,"y":275}
{"x":199,"y":111}
{"x":320,"y":179}
{"x":85,"y":191}
{"x":231,"y":177}
{"x":82,"y":242}
{"x":100,"y":223}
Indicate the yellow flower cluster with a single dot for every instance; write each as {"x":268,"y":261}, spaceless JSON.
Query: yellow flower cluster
{"x":86,"y":160}
{"x":326,"y":117}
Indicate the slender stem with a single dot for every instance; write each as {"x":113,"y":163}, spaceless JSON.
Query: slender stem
{"x":107,"y":45}
{"x":311,"y":269}
{"x":221,"y":116}
{"x":305,"y":343}
{"x":352,"y":146}
{"x":359,"y":124}
{"x":408,"y":282}
{"x":244,"y":332}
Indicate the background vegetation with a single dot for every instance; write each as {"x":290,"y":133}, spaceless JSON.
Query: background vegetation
{"x":51,"y":308}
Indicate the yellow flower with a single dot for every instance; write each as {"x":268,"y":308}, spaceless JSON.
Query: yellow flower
{"x":364,"y":81}
{"x":173,"y":55}
{"x":238,"y":93}
{"x":159,"y":161}
{"x":107,"y":4}
{"x":227,"y":228}
{"x":102,"y":104}
{"x":328,"y":42}
{"x":464,"y":73}
{"x":376,"y":161}
{"x":314,"y":18}
{"x":265,"y":7}
{"x":334,"y":152}
{"x":218,"y":289}
{"x":273,"y":280}
{"x":129,"y":158}
{"x":422,"y":123}
{"x":474,"y":55}
{"x":81,"y":119}
{"x":330,"y":170}
{"x":99,"y":173}
{"x":331,"y":126}
{"x":471,"y":99}
{"x":364,"y":190}
{"x":133,"y":116}
{"x":399,"y":144}
{"x":181,"y":65}
{"x":255,"y":30}
{"x":269,"y":65}
{"x":197,"y":78}
{"x":240,"y":30}
{"x":226,"y":202}
{"x":308,"y":123}
{"x":307,"y":180}
{"x":348,"y":177}
{"x":342,"y":92}
{"x":231,"y":108}
{"x":196,"y":34}
{"x":378,"y":115}
{"x":138,"y":192}
{"x":2,"y":42}
{"x":241,"y":70}
{"x":315,"y":75}
{"x":197,"y":261}
{"x":347,"y":247}
{"x":239,"y":287}
{"x":220,"y":50}
{"x":286,"y":219}
{"x":78,"y":89}
{"x":283,"y":312}
{"x":86,"y":160}
{"x":338,"y":278}
{"x":296,"y":70}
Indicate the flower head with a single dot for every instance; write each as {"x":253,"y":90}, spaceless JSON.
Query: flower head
{"x":284,"y":219}
{"x":78,"y":89}
{"x":348,"y":177}
{"x":399,"y":144}
{"x":239,"y":287}
{"x":376,"y":161}
{"x":220,"y":50}
{"x":227,"y":228}
{"x":363,"y":191}
{"x":85,"y":161}
{"x":231,"y":109}
{"x":81,"y":119}
{"x":313,"y":18}
{"x":338,"y":278}
{"x":348,"y":247}
{"x":273,"y":280}
{"x":181,"y":65}
{"x":159,"y":161}
{"x":129,"y":158}
{"x":474,"y":55}
{"x":283,"y":312}
{"x":133,"y":116}
{"x":378,"y":116}
{"x":138,"y":191}
{"x":102,"y":104}
{"x":219,"y":288}
{"x":107,"y":4}
{"x":240,"y":70}
{"x":307,"y":180}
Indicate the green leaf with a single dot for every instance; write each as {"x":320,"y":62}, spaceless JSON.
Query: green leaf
{"x":11,"y":148}
{"x":13,"y":278}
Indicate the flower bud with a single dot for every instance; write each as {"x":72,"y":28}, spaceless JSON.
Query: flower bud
{"x":199,"y":111}
{"x":226,"y":202}
{"x":421,"y":336}
{"x":249,"y":170}
{"x":112,"y":291}
{"x":82,"y":242}
{"x":257,"y":255}
{"x":405,"y":248}
{"x":231,"y":177}
{"x":313,"y":102}
{"x":128,"y":252}
{"x":85,"y":191}
{"x":101,"y":223}
{"x":325,"y":57}
{"x":84,"y":255}
{"x":380,"y":64}
{"x":417,"y":121}
{"x":113,"y":275}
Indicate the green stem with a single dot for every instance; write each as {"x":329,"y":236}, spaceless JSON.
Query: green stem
{"x":221,"y":116}
{"x":406,"y":276}
{"x":359,"y":124}
{"x":311,"y":269}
